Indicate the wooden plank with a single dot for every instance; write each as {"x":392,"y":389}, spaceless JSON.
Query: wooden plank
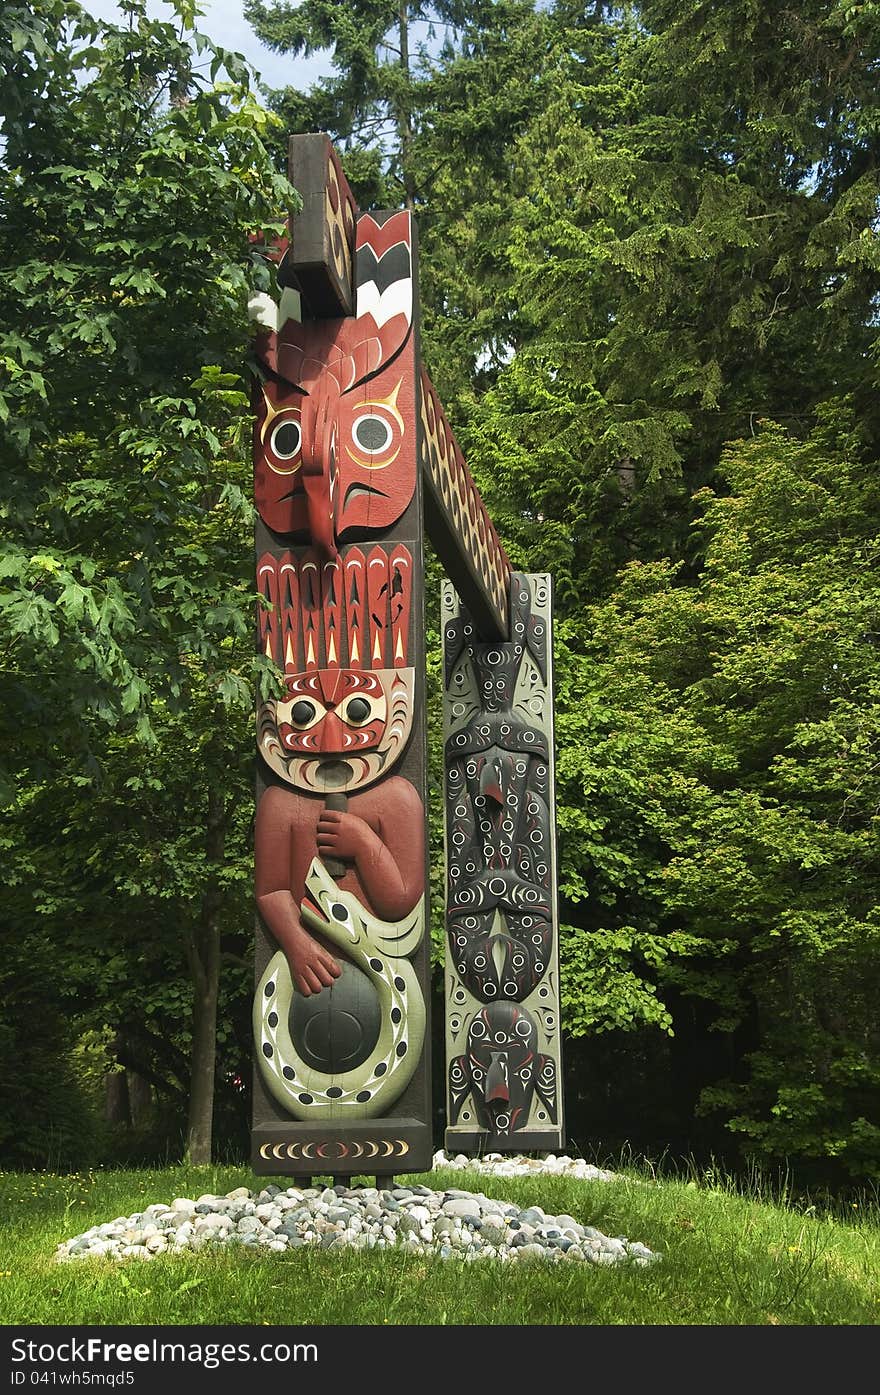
{"x":461,"y":531}
{"x":319,"y":262}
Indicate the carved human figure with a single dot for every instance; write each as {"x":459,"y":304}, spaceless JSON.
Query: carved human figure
{"x":340,"y":826}
{"x":379,"y":841}
{"x":336,"y":732}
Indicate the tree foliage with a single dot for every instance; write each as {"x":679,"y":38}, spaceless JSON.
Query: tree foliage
{"x":682,"y":260}
{"x":134,"y":170}
{"x":372,"y":104}
{"x":720,"y":792}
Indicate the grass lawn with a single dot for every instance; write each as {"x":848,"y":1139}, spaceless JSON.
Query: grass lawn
{"x":728,"y":1259}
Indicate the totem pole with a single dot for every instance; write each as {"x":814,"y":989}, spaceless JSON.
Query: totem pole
{"x":502,"y":975}
{"x":340,"y":1009}
{"x":351,"y":451}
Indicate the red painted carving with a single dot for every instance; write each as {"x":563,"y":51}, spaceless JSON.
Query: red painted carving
{"x":380,"y":840}
{"x":340,"y":833}
{"x":339,"y":629}
{"x":334,"y":437}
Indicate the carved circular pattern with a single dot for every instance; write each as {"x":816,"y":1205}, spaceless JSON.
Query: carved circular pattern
{"x":501,"y":933}
{"x":381,"y":952}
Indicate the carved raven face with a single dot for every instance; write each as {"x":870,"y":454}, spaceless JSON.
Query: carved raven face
{"x":329,"y":465}
{"x":334,"y":439}
{"x":502,"y":1069}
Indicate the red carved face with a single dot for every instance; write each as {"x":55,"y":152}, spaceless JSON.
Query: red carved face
{"x":333,"y":711}
{"x":334,"y":441}
{"x":328,"y":463}
{"x":337,"y":729}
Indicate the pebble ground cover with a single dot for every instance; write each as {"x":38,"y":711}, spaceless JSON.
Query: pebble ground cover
{"x":449,"y":1223}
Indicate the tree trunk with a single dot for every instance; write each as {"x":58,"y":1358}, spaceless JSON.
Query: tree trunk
{"x":140,"y":1099}
{"x":117,"y":1106}
{"x":203,"y":953}
{"x":404,"y":121}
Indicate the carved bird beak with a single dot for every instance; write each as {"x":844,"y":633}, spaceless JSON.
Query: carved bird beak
{"x":319,"y":472}
{"x":497,"y":1079}
{"x":490,"y":782}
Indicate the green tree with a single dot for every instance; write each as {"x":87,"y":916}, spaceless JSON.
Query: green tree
{"x":689,"y":243}
{"x":131,"y":178}
{"x":719,"y":791}
{"x":371,"y":104}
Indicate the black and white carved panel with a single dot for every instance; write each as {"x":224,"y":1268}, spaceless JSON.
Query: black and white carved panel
{"x":502,"y":979}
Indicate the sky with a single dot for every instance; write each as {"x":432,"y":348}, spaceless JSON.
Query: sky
{"x":224,"y":22}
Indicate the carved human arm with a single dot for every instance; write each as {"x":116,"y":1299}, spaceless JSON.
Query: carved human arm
{"x":277,"y":827}
{"x":390,"y":859}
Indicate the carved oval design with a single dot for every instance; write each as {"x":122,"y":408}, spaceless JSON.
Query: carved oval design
{"x":337,"y":1029}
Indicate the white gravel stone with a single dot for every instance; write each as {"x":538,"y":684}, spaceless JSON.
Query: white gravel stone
{"x":450,"y":1224}
{"x":520,"y":1165}
{"x":461,"y":1206}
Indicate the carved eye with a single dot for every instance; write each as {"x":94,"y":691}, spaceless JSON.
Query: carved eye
{"x":372,"y":434}
{"x":358,"y":711}
{"x":338,"y":911}
{"x":302,"y":712}
{"x":377,"y":432}
{"x":286,"y":439}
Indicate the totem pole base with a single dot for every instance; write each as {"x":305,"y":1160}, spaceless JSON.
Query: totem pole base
{"x":366,"y":1142}
{"x":476,"y":1143}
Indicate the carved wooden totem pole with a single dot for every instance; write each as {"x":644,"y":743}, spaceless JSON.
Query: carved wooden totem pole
{"x":340,"y":1009}
{"x":351,"y":449}
{"x":502,"y":972}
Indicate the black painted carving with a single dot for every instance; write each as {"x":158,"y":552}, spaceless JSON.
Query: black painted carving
{"x":500,"y":848}
{"x":501,"y":887}
{"x":502,"y":1070}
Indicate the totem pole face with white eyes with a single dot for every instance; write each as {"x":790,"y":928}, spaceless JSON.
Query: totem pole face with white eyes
{"x":502,"y":1069}
{"x":337,"y":729}
{"x":334,"y":438}
{"x":331,"y":464}
{"x":340,"y":631}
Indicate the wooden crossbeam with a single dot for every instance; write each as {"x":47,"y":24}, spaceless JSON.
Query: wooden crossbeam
{"x":461,"y":531}
{"x":319,"y":262}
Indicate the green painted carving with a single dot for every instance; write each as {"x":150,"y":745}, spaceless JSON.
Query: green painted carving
{"x":376,"y":953}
